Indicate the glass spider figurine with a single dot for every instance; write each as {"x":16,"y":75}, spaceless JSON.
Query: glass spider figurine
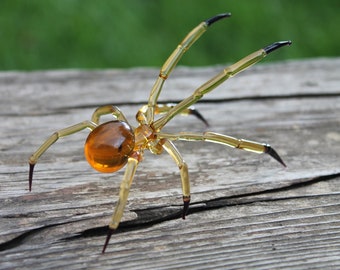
{"x":112,"y":145}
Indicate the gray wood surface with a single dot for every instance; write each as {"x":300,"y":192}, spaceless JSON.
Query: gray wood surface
{"x":247,"y":211}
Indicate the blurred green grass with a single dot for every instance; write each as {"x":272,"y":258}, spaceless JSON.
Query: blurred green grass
{"x":54,"y":34}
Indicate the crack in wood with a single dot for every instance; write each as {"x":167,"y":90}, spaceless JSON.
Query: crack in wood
{"x":156,"y":215}
{"x":220,"y":100}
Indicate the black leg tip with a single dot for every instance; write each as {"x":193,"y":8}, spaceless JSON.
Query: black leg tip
{"x":108,"y":237}
{"x":270,"y":151}
{"x":30,"y":176}
{"x":199,"y":116}
{"x":186,"y":201}
{"x":272,"y":47}
{"x":217,"y":18}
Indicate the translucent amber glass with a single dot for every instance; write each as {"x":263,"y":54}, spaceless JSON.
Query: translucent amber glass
{"x":108,"y":146}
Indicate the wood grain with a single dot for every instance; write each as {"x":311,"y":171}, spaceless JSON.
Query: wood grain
{"x":247,"y":211}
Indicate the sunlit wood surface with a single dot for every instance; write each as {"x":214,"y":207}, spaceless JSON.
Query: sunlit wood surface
{"x":247,"y":210}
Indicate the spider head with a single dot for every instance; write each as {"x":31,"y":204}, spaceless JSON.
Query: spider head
{"x":108,"y":146}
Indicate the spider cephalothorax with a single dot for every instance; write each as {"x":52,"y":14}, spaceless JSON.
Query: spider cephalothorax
{"x":112,"y":145}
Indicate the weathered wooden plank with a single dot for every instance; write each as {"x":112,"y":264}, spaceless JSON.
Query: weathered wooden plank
{"x":247,"y":211}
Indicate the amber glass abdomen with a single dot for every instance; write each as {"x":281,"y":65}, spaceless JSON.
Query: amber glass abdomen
{"x":109,"y":145}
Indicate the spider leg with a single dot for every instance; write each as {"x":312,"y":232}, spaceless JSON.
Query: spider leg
{"x":210,"y":85}
{"x":103,"y":110}
{"x":174,"y":153}
{"x":173,"y":59}
{"x":225,"y":140}
{"x":164,"y":108}
{"x":123,"y":196}
{"x":52,"y":139}
{"x":108,"y":109}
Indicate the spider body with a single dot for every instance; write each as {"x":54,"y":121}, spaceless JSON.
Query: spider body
{"x":108,"y":146}
{"x":112,"y":145}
